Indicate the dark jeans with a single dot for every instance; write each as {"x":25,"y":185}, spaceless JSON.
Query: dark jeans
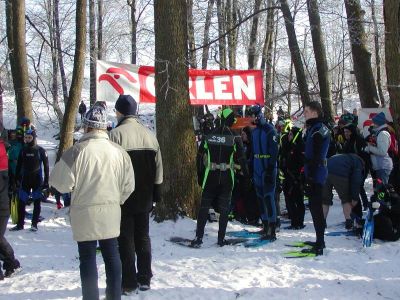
{"x":35,"y":216}
{"x":6,"y":251}
{"x":88,"y":269}
{"x":315,"y":202}
{"x":217,"y":189}
{"x":134,"y":242}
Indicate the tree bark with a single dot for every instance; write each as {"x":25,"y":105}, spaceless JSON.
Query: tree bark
{"x":10,"y":39}
{"x":191,"y":38}
{"x":60,"y":54}
{"x":180,"y":192}
{"x":377,"y":55}
{"x":392,"y":55}
{"x":320,"y":59}
{"x":252,"y":51}
{"x":100,"y":29}
{"x":295,"y":53}
{"x":93,"y":54}
{"x":361,"y":56}
{"x":231,"y":19}
{"x":67,"y":130}
{"x":267,"y":55}
{"x":21,"y":83}
{"x":221,"y":31}
{"x":132,"y":4}
{"x":206,"y":36}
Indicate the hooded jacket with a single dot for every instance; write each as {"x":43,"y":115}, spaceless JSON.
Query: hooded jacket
{"x":380,"y":158}
{"x":100,"y":176}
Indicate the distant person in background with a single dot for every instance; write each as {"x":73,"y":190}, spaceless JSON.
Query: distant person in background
{"x":14,"y":148}
{"x":100,"y":176}
{"x":10,"y":264}
{"x":355,"y":117}
{"x":32,"y":177}
{"x":82,"y":109}
{"x":25,"y":124}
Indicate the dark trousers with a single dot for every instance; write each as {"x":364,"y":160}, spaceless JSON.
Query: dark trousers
{"x":294,"y":197}
{"x":35,"y":216}
{"x":219,"y":189}
{"x":134,"y":242}
{"x":88,"y":269}
{"x":6,"y":251}
{"x":317,"y":214}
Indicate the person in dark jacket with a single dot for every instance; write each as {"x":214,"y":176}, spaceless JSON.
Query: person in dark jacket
{"x":32,"y":176}
{"x":144,"y":150}
{"x":291,"y":163}
{"x":10,"y":264}
{"x":215,"y":170}
{"x":355,"y":143}
{"x":317,"y":141}
{"x":346,"y":175}
{"x":265,"y":156}
{"x":82,"y":109}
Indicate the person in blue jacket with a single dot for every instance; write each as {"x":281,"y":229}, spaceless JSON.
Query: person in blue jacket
{"x":317,"y":139}
{"x":264,"y":160}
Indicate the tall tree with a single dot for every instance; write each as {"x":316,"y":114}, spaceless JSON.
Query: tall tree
{"x":295,"y":53}
{"x":221,"y":31}
{"x":93,"y":54}
{"x":377,"y":54}
{"x":132,"y":4}
{"x":19,"y":64}
{"x":267,"y":55}
{"x":100,"y":29}
{"x":180,"y":192}
{"x":71,"y":108}
{"x":191,"y":37}
{"x":392,"y":55}
{"x":59,"y":50}
{"x":252,"y":51}
{"x":361,"y":56}
{"x":320,"y":59}
{"x":231,"y":19}
{"x":206,"y":36}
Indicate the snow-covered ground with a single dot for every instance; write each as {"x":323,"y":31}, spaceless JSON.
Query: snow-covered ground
{"x":346,"y":271}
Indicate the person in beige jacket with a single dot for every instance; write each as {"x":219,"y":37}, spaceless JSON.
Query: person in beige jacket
{"x":100,"y":175}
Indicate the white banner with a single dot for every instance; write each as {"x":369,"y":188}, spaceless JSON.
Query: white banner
{"x":365,"y":116}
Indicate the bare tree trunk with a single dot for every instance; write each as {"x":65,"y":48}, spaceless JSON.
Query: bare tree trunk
{"x":221,"y":31}
{"x":180,"y":192}
{"x":252,"y":53}
{"x":289,"y":99}
{"x":21,"y":83}
{"x":361,"y":56}
{"x":54,"y":63}
{"x":60,"y":54}
{"x":231,"y":19}
{"x":1,"y":104}
{"x":206,"y":35}
{"x":10,"y":40}
{"x":67,"y":130}
{"x":295,"y":53}
{"x":100,"y":29}
{"x":392,"y":55}
{"x":93,"y":54}
{"x":191,"y":38}
{"x":320,"y":59}
{"x":267,"y":55}
{"x":377,"y":55}
{"x":132,"y":4}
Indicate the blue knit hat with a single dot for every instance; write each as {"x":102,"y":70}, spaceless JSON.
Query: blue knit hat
{"x":126,"y":105}
{"x":379,"y":119}
{"x":96,"y":117}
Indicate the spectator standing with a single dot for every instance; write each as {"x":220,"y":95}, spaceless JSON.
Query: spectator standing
{"x":100,"y":176}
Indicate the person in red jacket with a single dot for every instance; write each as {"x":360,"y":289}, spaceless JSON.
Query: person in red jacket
{"x":10,"y":264}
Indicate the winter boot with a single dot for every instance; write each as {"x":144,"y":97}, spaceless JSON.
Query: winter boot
{"x":16,"y":228}
{"x":1,"y":274}
{"x":11,"y":269}
{"x":270,"y":234}
{"x":265,"y":227}
{"x":349,"y":224}
{"x":317,"y":250}
{"x":196,"y":243}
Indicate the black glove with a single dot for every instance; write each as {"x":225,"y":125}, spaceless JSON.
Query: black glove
{"x":156,"y":192}
{"x":269,"y":177}
{"x":308,"y":187}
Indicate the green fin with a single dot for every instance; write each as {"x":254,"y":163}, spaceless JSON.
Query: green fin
{"x":298,"y":245}
{"x":298,"y":254}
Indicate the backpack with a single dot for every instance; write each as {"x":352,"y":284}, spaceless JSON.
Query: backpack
{"x":393,"y":150}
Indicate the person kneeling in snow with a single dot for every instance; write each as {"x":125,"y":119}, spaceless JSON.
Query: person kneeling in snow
{"x":100,"y":176}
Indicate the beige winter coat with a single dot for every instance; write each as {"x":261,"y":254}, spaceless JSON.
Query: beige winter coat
{"x":100,"y":175}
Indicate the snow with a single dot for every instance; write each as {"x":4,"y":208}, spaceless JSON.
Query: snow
{"x":50,"y":264}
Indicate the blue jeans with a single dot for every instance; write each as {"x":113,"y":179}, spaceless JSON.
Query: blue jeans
{"x":383,"y":175}
{"x":88,"y":269}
